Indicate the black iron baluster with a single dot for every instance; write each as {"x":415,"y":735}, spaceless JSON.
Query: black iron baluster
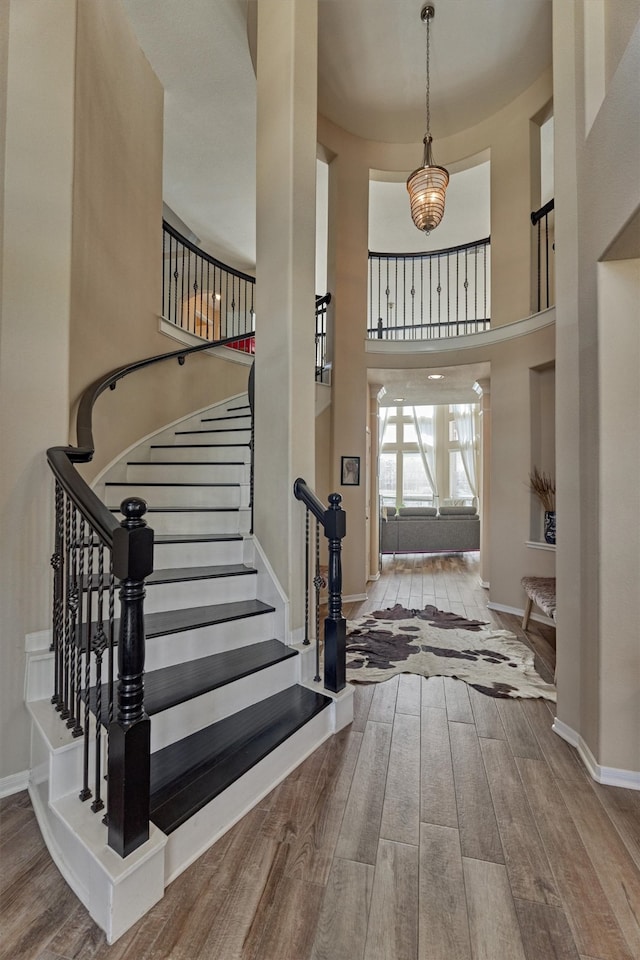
{"x":86,"y":606}
{"x":318,"y":582}
{"x":57,"y":562}
{"x":74,"y":602}
{"x":111,"y":637}
{"x":182,"y":292}
{"x":475,"y":285}
{"x":546,"y":256}
{"x":307,"y":578}
{"x":63,"y":707}
{"x":85,"y":792}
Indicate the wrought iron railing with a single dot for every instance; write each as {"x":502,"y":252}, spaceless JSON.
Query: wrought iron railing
{"x":425,"y":296}
{"x":332,"y":519}
{"x":323,"y":369}
{"x":543,"y":221}
{"x":99,"y":700}
{"x":204,"y":296}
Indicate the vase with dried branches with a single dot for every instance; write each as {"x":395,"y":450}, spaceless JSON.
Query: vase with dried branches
{"x":544,"y":488}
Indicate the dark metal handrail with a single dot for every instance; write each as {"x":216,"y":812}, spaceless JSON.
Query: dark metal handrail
{"x":92,"y":550}
{"x":332,"y":519}
{"x":431,"y":294}
{"x":543,"y":251}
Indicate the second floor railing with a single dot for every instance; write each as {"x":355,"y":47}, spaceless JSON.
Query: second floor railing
{"x":204,"y":296}
{"x":543,"y":221}
{"x":424,"y":296}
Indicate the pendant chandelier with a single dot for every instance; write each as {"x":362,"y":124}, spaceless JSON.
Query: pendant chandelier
{"x":428,"y":184}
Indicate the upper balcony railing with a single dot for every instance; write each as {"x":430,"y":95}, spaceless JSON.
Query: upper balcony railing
{"x":544,"y":222}
{"x":204,"y":296}
{"x":425,"y":296}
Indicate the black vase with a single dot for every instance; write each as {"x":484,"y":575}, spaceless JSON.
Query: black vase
{"x":550,"y":526}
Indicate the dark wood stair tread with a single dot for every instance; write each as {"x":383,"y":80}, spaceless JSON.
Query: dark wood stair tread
{"x":195,"y":446}
{"x":185,"y":463}
{"x":233,"y":416}
{"x":196,"y":537}
{"x":186,"y":574}
{"x":186,"y":509}
{"x":187,"y":775}
{"x":182,"y":433}
{"x":170,"y":686}
{"x":166,"y":622}
{"x":167,"y":483}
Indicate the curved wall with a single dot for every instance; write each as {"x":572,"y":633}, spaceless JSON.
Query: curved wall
{"x":510,"y":139}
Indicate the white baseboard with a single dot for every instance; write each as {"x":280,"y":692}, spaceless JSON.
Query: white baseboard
{"x":519,"y":612}
{"x":14,"y":783}
{"x":611,"y":776}
{"x":484,"y":584}
{"x":352,"y":597}
{"x":41,"y":640}
{"x":373,"y":577}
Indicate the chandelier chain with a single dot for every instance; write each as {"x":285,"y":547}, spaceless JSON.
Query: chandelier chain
{"x":428,"y":59}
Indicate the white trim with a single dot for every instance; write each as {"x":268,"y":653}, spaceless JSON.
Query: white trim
{"x":352,"y":597}
{"x":14,"y":783}
{"x":484,"y":584}
{"x":508,"y":331}
{"x":539,"y":545}
{"x":610,"y":776}
{"x":40,"y":640}
{"x":373,"y":577}
{"x":519,"y":612}
{"x":168,"y":329}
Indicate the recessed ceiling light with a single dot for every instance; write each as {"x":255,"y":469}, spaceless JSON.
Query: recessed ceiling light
{"x":435,"y":376}
{"x":398,"y":399}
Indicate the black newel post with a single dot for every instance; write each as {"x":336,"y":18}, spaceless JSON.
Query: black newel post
{"x":335,"y":626}
{"x":129,"y":732}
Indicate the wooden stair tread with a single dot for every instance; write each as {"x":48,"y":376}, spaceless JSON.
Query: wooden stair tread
{"x":186,"y":509}
{"x":168,"y":483}
{"x":186,"y":463}
{"x":187,"y":775}
{"x":166,"y":622}
{"x":196,"y":537}
{"x":185,"y":574}
{"x":169,"y":686}
{"x":182,"y":433}
{"x":234,"y":416}
{"x":204,"y":446}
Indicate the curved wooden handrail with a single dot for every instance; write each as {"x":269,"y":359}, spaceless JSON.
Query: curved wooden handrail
{"x":61,"y":459}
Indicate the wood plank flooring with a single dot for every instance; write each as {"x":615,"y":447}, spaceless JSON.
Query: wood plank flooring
{"x":441,"y":825}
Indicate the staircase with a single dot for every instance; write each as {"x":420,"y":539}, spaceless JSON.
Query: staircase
{"x":232,"y":705}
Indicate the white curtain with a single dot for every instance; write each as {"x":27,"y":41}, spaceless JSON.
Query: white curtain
{"x":425,"y":433}
{"x":466,"y":416}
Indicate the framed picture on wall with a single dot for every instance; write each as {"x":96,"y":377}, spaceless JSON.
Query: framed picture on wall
{"x":350,"y":471}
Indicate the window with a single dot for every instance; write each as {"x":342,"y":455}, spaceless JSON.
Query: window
{"x":427,"y":452}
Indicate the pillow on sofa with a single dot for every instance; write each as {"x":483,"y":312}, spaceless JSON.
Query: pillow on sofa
{"x":388,"y":512}
{"x":417,"y":511}
{"x":458,"y":512}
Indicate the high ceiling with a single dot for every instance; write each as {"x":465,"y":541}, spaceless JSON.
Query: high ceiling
{"x":371,"y":82}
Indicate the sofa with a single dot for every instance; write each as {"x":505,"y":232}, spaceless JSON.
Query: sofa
{"x":447,"y":529}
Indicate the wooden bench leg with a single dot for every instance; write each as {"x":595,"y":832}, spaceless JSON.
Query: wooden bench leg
{"x":527,"y":613}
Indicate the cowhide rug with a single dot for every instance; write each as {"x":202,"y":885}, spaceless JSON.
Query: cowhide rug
{"x":434,"y":643}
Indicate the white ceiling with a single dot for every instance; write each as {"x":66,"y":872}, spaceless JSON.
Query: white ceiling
{"x":414,"y":386}
{"x":371,"y":81}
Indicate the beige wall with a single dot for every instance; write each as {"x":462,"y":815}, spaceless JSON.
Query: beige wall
{"x":592,"y":209}
{"x":507,"y":135}
{"x":81,"y":258}
{"x":34,"y":331}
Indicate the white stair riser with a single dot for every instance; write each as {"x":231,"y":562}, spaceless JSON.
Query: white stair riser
{"x":202,"y":641}
{"x":197,"y":553}
{"x":209,"y":436}
{"x":177,"y":496}
{"x":211,"y":454}
{"x":193,"y":715}
{"x":198,"y":593}
{"x":188,"y":472}
{"x":195,"y":836}
{"x":199,"y":521}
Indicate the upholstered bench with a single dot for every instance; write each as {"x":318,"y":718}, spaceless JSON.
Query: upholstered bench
{"x":542,"y":592}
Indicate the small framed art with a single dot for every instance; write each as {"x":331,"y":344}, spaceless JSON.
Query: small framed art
{"x":350,"y":471}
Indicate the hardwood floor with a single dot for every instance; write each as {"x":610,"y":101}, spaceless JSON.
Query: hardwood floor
{"x":441,"y":825}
